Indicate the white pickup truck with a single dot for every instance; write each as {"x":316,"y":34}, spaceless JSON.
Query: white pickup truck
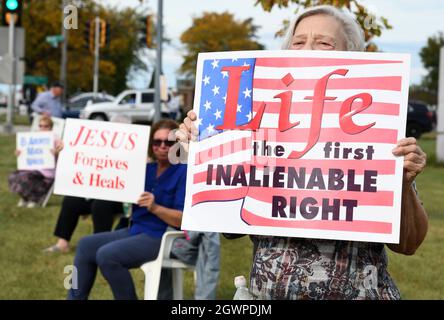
{"x":136,"y":105}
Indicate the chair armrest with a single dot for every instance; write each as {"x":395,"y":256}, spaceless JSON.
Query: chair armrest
{"x":167,"y":242}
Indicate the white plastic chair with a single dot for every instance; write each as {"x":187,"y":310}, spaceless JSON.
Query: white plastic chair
{"x":153,"y":268}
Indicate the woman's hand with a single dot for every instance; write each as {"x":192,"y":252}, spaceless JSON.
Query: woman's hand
{"x":147,"y":200}
{"x":18,"y":152}
{"x":187,"y":130}
{"x":58,"y":147}
{"x":414,"y":158}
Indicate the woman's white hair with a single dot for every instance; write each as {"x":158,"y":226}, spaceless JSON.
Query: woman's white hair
{"x":352,"y":31}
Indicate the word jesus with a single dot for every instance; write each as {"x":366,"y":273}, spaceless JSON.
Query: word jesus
{"x":345,"y":115}
{"x":104,"y":138}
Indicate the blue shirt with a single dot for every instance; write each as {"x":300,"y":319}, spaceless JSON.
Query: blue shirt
{"x":168,"y":190}
{"x":47,"y":102}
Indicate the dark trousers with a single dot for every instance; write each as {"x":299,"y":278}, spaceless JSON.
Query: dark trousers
{"x":102,"y":212}
{"x":114,"y":253}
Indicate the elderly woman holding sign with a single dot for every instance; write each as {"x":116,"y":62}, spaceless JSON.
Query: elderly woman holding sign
{"x":158,"y":207}
{"x":294,"y":268}
{"x":33,"y":185}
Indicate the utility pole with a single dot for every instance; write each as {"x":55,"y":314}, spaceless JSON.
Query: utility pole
{"x":64,"y":60}
{"x":440,"y":110}
{"x":11,"y":99}
{"x":158,"y":59}
{"x":96,"y":55}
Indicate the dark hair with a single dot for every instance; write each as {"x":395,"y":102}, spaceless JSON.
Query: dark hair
{"x":57,"y":84}
{"x":162,"y":124}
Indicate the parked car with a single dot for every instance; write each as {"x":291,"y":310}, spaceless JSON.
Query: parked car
{"x":419,"y":119}
{"x":78,"y":102}
{"x":136,"y":105}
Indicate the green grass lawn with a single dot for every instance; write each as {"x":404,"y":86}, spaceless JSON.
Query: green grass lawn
{"x":27,"y":273}
{"x":16,"y":120}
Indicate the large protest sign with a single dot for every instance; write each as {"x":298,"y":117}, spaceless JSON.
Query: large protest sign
{"x":102,"y":160}
{"x":36,"y":150}
{"x":298,"y":143}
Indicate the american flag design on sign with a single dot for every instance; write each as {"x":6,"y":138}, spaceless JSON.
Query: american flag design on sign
{"x":346,"y":185}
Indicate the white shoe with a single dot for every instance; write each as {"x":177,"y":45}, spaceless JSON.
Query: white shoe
{"x":31,"y":204}
{"x":22,"y":203}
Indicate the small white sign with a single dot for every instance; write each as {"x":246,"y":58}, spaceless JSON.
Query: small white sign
{"x":35,"y":150}
{"x":102,"y":160}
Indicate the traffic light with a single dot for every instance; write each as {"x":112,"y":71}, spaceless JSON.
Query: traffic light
{"x":147,"y":31}
{"x":9,"y":8}
{"x":88,"y":35}
{"x":104,"y":33}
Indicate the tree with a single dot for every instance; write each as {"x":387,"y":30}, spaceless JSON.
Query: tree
{"x":430,"y":59}
{"x":43,"y":18}
{"x":216,"y":32}
{"x":372,"y":25}
{"x":418,"y":92}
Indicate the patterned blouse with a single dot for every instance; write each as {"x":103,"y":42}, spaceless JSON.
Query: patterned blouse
{"x":294,"y":268}
{"x":313,"y":269}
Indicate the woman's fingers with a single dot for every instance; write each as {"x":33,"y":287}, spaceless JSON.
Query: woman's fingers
{"x":144,"y":197}
{"x":182,"y":133}
{"x":187,"y":130}
{"x":405,"y":146}
{"x":146,"y":200}
{"x":60,"y":146}
{"x":188,"y":124}
{"x":191,"y":129}
{"x":192,"y":115}
{"x":414,"y":158}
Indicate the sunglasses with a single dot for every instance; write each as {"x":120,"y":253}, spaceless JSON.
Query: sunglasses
{"x":44,"y":126}
{"x":158,"y":143}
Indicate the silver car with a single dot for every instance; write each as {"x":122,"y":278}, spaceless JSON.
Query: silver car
{"x":136,"y":105}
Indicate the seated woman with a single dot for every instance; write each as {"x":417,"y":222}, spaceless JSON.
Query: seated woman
{"x":158,"y":207}
{"x":103,"y":213}
{"x":33,"y":185}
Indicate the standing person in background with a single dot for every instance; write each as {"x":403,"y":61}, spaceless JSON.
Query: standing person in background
{"x":201,"y":249}
{"x":298,"y":268}
{"x":48,"y":102}
{"x":33,"y":185}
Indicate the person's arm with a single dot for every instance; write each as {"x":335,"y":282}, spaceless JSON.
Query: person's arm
{"x":414,"y":220}
{"x":172,"y":217}
{"x":37,"y":104}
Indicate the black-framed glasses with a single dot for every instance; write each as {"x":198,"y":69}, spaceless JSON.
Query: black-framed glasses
{"x":158,"y":143}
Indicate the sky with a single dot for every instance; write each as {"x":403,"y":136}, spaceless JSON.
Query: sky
{"x":413,"y":22}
